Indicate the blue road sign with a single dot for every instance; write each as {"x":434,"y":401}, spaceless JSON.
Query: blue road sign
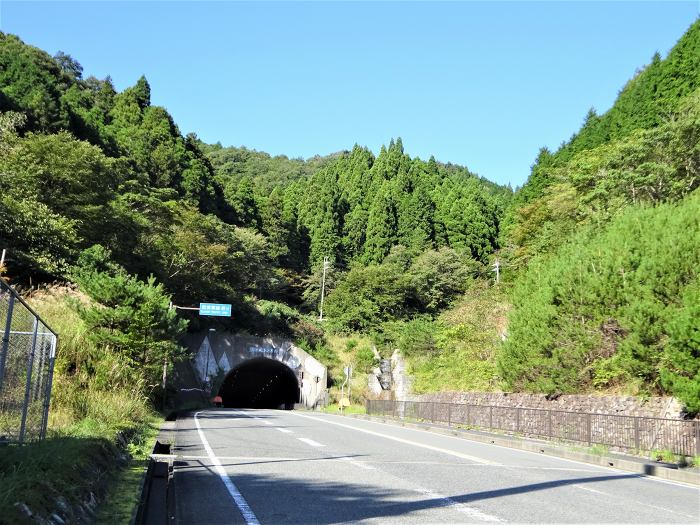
{"x":220,"y":310}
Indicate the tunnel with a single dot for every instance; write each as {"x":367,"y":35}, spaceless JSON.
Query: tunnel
{"x":260,"y":383}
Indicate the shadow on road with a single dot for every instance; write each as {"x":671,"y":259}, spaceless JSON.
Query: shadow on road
{"x":278,"y":499}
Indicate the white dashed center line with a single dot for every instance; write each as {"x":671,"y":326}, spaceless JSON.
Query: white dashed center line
{"x":285,"y":430}
{"x":311,"y":442}
{"x":356,"y":463}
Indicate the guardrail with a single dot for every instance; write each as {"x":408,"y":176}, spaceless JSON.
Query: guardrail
{"x":627,"y":433}
{"x":27,"y":355}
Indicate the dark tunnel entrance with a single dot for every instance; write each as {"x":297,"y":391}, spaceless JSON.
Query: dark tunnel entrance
{"x":260,"y":383}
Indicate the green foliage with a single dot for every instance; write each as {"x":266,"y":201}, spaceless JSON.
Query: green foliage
{"x":43,"y":242}
{"x":365,"y":360}
{"x":614,"y":307}
{"x":456,"y":351}
{"x":647,"y":166}
{"x":368,"y":296}
{"x":680,"y":372}
{"x":398,"y":288}
{"x":132,"y":319}
{"x":436,"y":277}
{"x":605,"y":264}
{"x":645,"y":102}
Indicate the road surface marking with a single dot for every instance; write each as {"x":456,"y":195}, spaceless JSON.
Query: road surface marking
{"x":262,"y":420}
{"x":472,"y":512}
{"x":594,"y":491}
{"x":406,"y":441}
{"x":285,"y":430}
{"x":352,"y":461}
{"x":311,"y":442}
{"x":238,"y":499}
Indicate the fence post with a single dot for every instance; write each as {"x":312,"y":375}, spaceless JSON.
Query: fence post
{"x":517,"y":419}
{"x":28,"y":385}
{"x":449,"y":414}
{"x":490,"y":416}
{"x":697,"y":438}
{"x":6,"y":338}
{"x":432,"y":412}
{"x":549,"y":424}
{"x":47,"y":394}
{"x":588,"y":429}
{"x":636,"y":435}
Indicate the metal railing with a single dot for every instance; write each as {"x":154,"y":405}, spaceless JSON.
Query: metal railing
{"x":626,"y":433}
{"x":27,"y":355}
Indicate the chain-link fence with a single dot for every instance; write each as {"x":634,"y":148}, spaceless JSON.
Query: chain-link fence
{"x":626,"y":433}
{"x":27,"y":354}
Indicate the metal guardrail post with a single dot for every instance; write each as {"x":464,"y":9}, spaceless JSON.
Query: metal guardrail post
{"x":449,"y":414}
{"x":636,"y":433}
{"x":28,"y":385}
{"x":549,"y":424}
{"x":6,"y":338}
{"x":490,"y":416}
{"x":517,"y":419}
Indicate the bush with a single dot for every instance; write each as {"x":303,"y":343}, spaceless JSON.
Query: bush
{"x":365,"y":360}
{"x":614,"y":307}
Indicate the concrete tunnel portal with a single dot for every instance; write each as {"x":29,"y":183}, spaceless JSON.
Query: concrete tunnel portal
{"x":260,"y":383}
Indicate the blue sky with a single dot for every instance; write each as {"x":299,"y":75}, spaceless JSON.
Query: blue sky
{"x":483,"y":84}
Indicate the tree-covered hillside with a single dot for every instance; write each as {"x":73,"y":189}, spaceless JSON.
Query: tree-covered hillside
{"x":602,"y":245}
{"x":101,"y":188}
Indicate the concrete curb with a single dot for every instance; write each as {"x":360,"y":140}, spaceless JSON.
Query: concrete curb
{"x":629,"y":465}
{"x":156,"y":501}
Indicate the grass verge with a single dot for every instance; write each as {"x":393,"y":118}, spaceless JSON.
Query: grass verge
{"x":101,"y":428}
{"x":123,"y":493}
{"x":352,"y":409}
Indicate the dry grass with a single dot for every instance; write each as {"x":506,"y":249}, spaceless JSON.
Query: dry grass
{"x":92,"y":401}
{"x":467,"y":337}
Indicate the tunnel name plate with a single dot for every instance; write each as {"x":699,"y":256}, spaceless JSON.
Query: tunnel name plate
{"x":279,"y":354}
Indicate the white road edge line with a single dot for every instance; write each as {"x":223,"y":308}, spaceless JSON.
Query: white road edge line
{"x":311,"y":442}
{"x":285,"y":430}
{"x":238,"y":499}
{"x":406,"y":441}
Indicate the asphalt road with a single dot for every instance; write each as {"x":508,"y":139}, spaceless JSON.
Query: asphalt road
{"x":268,"y":466}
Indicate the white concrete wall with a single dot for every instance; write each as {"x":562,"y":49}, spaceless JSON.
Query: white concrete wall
{"x":214,"y":351}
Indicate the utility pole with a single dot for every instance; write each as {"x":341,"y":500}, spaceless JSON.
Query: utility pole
{"x":165,"y":378}
{"x":326,"y":265}
{"x":497,"y":269}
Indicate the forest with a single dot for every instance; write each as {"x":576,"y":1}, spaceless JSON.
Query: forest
{"x":600,"y":249}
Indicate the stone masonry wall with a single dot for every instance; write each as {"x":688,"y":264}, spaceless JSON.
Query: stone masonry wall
{"x":663,"y":407}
